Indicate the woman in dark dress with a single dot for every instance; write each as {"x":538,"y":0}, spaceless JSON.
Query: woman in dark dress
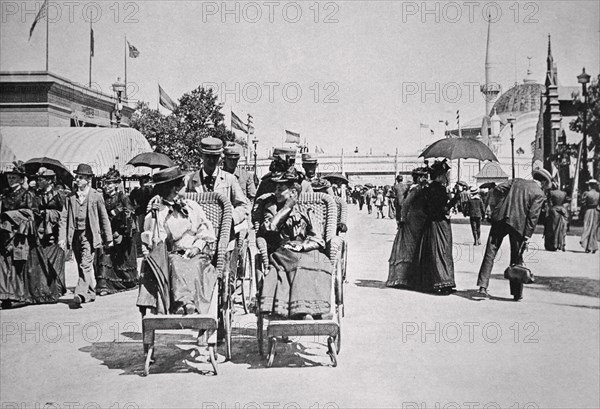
{"x":298,"y":283}
{"x":591,"y":219}
{"x":555,"y":228}
{"x":436,"y":266}
{"x":410,"y":230}
{"x":116,"y":268}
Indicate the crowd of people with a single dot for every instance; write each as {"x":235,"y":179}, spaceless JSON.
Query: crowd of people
{"x":105,"y":228}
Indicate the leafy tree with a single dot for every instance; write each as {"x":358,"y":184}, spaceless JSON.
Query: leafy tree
{"x":178,"y":135}
{"x":592,"y":121}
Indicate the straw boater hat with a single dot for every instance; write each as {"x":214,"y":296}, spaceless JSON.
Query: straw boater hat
{"x":84,"y":169}
{"x":233,"y":151}
{"x":592,"y":182}
{"x":211,"y":146}
{"x":542,"y":175}
{"x":309,"y":159}
{"x":167,"y":175}
{"x":473,"y":190}
{"x":283,"y":153}
{"x":45,"y":173}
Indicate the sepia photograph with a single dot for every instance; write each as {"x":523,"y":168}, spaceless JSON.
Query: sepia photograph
{"x":299,"y":204}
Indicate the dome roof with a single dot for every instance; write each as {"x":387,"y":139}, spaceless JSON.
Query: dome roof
{"x":520,"y":99}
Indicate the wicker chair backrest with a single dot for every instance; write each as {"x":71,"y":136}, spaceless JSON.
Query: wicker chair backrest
{"x":219,"y":211}
{"x":342,"y":210}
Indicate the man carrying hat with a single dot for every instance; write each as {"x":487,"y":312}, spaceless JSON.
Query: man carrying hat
{"x":86,"y":228}
{"x":210,"y":178}
{"x":231,"y":158}
{"x":515,"y":208}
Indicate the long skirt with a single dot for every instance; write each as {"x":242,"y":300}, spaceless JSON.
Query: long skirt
{"x":402,"y":266}
{"x":297,"y":283}
{"x":38,"y":280}
{"x":116,"y":268}
{"x":436,"y":266}
{"x":189,"y":281}
{"x":555,"y":229}
{"x":590,"y":235}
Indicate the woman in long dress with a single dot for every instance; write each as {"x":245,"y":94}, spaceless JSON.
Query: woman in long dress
{"x":298,"y":283}
{"x":591,"y":219}
{"x":410,"y":231}
{"x":555,"y":228}
{"x":183,"y":280}
{"x":436,"y":266}
{"x":116,"y":268}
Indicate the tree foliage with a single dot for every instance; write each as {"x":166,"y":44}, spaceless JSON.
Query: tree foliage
{"x":178,"y":135}
{"x":592,"y":120}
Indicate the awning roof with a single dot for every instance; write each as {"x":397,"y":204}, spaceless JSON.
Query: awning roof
{"x":99,"y":147}
{"x":491,"y":170}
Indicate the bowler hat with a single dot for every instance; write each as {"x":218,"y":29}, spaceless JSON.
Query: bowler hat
{"x":84,"y":169}
{"x":308,"y":158}
{"x":233,"y":151}
{"x":45,"y":173}
{"x":289,"y":176}
{"x":542,"y":175}
{"x":167,"y":175}
{"x":211,"y":146}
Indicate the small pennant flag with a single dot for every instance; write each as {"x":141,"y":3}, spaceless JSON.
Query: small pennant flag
{"x":165,"y":100}
{"x":424,"y":126}
{"x":40,"y":15}
{"x":133,"y":52}
{"x":292,"y":137}
{"x":236,"y":123}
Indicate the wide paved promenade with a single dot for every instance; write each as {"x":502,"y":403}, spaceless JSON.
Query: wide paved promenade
{"x":400,"y":348}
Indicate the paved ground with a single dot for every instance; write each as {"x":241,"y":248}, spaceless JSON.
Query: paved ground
{"x":400,"y":348}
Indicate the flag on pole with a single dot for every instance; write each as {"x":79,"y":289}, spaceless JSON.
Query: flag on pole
{"x":133,"y":52}
{"x":250,"y":124}
{"x":40,"y":15}
{"x":425,"y":126}
{"x":318,"y":149}
{"x":236,"y":123}
{"x":91,"y":41}
{"x":165,"y":100}
{"x":292,"y":137}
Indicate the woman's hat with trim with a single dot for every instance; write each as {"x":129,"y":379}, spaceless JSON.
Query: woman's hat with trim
{"x":167,"y":175}
{"x":112,"y":175}
{"x":18,"y":169}
{"x":439,"y":168}
{"x":289,"y":176}
{"x":542,"y":175}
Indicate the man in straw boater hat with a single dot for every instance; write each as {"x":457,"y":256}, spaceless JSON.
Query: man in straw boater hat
{"x":184,"y":283}
{"x":87,"y":227}
{"x":232,"y":154}
{"x":591,"y":218}
{"x":211,"y":178}
{"x":515,"y":208}
{"x":476,"y":211}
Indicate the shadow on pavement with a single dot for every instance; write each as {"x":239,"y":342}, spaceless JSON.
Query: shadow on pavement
{"x":474,"y":295}
{"x":372,"y":284}
{"x":567,"y":285}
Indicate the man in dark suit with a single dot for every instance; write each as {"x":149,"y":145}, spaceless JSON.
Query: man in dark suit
{"x":231,"y":157}
{"x":515,"y":208}
{"x":85,"y":229}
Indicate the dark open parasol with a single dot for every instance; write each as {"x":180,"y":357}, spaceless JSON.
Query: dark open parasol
{"x":153,"y":160}
{"x":336,"y":178}
{"x":62,"y":173}
{"x":459,"y":148}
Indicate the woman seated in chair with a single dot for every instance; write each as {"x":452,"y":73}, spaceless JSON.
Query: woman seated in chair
{"x":183,"y":283}
{"x":298,"y":282}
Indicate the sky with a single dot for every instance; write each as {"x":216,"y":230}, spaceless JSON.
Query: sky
{"x":343,"y":74}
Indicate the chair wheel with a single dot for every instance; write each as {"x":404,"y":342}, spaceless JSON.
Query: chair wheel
{"x":332,"y":351}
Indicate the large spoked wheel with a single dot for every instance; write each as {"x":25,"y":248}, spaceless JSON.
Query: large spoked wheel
{"x":260,"y":319}
{"x":332,"y":351}
{"x":225,"y":315}
{"x":338,"y":338}
{"x":247,"y":281}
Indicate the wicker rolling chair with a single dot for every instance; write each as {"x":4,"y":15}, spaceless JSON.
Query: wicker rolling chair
{"x":218,"y":210}
{"x":325,"y":210}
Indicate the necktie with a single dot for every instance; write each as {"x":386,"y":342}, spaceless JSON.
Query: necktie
{"x":209,"y":183}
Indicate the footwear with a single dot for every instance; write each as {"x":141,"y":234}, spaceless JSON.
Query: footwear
{"x":483,"y":292}
{"x":5,"y":304}
{"x":77,"y":301}
{"x":308,"y":317}
{"x":190,"y":309}
{"x":103,"y":293}
{"x":517,"y":297}
{"x":478,"y":242}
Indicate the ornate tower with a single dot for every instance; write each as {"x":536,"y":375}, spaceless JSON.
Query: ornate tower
{"x":491,"y":89}
{"x":552,"y":115}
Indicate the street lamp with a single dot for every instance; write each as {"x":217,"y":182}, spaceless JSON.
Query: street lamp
{"x":119,"y":88}
{"x":584,"y":79}
{"x":511,"y":120}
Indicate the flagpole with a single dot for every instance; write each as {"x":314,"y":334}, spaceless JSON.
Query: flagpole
{"x":125,"y":65}
{"x":47,"y":34}
{"x":91,"y":45}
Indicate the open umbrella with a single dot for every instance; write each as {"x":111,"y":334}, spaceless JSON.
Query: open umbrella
{"x":369,"y":185}
{"x":488,"y":185}
{"x":336,"y":178}
{"x":62,"y":173}
{"x":152,"y":160}
{"x":459,"y":148}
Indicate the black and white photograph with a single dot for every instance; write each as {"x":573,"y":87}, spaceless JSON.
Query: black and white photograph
{"x":316,"y":204}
